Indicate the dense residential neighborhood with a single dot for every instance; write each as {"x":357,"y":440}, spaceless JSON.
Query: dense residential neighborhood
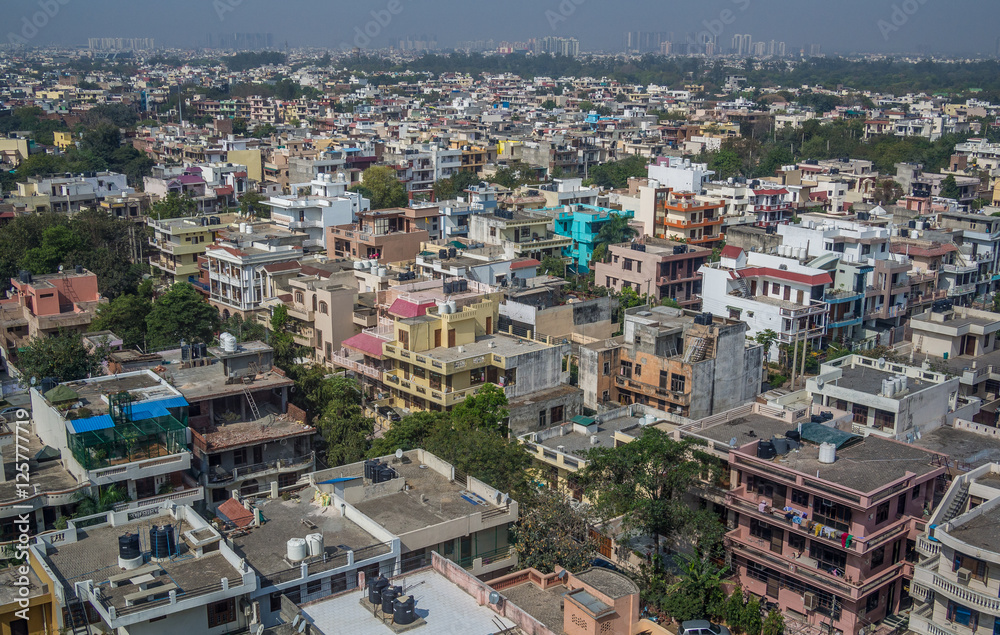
{"x":530,"y":337}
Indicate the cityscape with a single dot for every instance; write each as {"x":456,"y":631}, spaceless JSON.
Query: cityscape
{"x":529,"y":319}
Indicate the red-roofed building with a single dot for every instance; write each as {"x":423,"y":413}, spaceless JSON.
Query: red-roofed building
{"x":401,"y":308}
{"x":769,"y":293}
{"x":772,"y":206}
{"x":234,"y":511}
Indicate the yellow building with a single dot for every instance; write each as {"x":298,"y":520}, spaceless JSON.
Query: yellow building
{"x":178,"y":242}
{"x":31,"y":612}
{"x":442,"y":351}
{"x":63,"y":140}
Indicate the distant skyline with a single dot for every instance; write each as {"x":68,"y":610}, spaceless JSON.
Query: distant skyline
{"x":845,"y":26}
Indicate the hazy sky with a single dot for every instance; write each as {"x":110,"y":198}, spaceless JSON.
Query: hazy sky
{"x":946,"y":26}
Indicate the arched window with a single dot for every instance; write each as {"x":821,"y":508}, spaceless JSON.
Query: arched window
{"x":323,"y":308}
{"x":314,"y":302}
{"x":299,"y":298}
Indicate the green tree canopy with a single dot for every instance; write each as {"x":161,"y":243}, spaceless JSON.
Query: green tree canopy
{"x":57,"y":242}
{"x":645,"y":482}
{"x":125,"y":316}
{"x":181,"y":314}
{"x":949,"y":188}
{"x":383,"y":188}
{"x":173,"y":205}
{"x":549,"y":533}
{"x":62,"y":355}
{"x":615,"y":174}
{"x":252,"y":205}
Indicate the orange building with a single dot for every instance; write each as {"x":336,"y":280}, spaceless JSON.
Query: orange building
{"x":679,"y":216}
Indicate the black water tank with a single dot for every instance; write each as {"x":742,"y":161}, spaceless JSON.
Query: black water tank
{"x":370,"y":467}
{"x":375,"y":587}
{"x":765,"y":450}
{"x":452,"y":252}
{"x":389,"y":594}
{"x":793,"y":435}
{"x":403,"y":610}
{"x":443,"y":254}
{"x":79,"y":268}
{"x":128,"y":546}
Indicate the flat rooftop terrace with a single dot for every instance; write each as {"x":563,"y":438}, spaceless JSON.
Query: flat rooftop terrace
{"x":981,"y":531}
{"x":95,"y":557}
{"x":141,"y":386}
{"x":446,"y":608}
{"x":199,"y":383}
{"x":265,"y":547}
{"x":863,"y":465}
{"x":272,"y":426}
{"x":965,"y":447}
{"x":431,"y":499}
{"x":46,"y":476}
{"x":502,"y":345}
{"x":869,"y":380}
{"x":577,"y":443}
{"x":545,"y":605}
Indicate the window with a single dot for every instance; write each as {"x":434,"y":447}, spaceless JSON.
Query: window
{"x":872,"y":602}
{"x":878,"y":557}
{"x":295,"y":594}
{"x":299,"y":298}
{"x":962,"y":615}
{"x":240,"y":456}
{"x":556,"y":414}
{"x":901,"y":505}
{"x":664,"y":376}
{"x":860,"y":414}
{"x":607,"y":368}
{"x":882,"y":513}
{"x":605,"y":396}
{"x":220,"y":613}
{"x":916,"y":492}
{"x":324,"y":308}
{"x":800,"y":498}
{"x":796,"y":541}
{"x":276,"y":601}
{"x":677,"y":383}
{"x":827,"y":512}
{"x":314,"y":586}
{"x":638,"y":370}
{"x":541,"y":418}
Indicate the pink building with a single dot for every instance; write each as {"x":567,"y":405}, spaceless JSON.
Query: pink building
{"x":823,"y":521}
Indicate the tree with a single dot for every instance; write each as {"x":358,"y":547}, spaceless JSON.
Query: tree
{"x":343,"y":424}
{"x":173,"y":205}
{"x":285,"y":348}
{"x":726,"y":163}
{"x":62,"y":355}
{"x":554,"y":266}
{"x":57,"y":242}
{"x":385,"y":190}
{"x":181,"y":314}
{"x":615,"y":174}
{"x":548,"y":104}
{"x":485,"y":410}
{"x":252,"y":206}
{"x":100,"y":501}
{"x":615,"y":231}
{"x":774,"y":623}
{"x":887,"y":192}
{"x":949,"y":188}
{"x":735,"y":611}
{"x":243,"y":330}
{"x":766,"y":338}
{"x":125,"y":316}
{"x":406,"y":434}
{"x":549,"y":533}
{"x":698,"y":594}
{"x":444,"y":189}
{"x":645,"y":483}
{"x":751,"y":616}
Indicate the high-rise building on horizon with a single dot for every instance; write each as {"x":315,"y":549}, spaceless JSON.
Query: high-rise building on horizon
{"x":565,"y":46}
{"x":121,"y":43}
{"x":645,"y":41}
{"x":741,"y":44}
{"x":242,"y":41}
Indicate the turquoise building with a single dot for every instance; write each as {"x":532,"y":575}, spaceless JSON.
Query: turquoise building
{"x":583,"y":223}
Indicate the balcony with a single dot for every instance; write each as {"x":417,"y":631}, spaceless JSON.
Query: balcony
{"x":925,"y":576}
{"x":674,"y":397}
{"x":844,"y":321}
{"x":365,"y":319}
{"x":815,"y":308}
{"x":343,"y":361}
{"x":277,"y":466}
{"x":886,"y":312}
{"x":962,"y":289}
{"x":843,"y":295}
{"x":973,"y":268}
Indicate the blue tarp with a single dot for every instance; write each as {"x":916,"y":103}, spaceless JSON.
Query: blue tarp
{"x":148,"y":411}
{"x":90,"y":424}
{"x":342,"y":479}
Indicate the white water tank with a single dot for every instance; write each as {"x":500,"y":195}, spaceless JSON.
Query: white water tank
{"x":444,"y":309}
{"x":382,"y":272}
{"x":802,"y":253}
{"x":452,"y":306}
{"x":297,"y":550}
{"x":827,"y":452}
{"x":903,"y":382}
{"x":315,"y":544}
{"x":887,"y":388}
{"x":898,"y":381}
{"x":359,"y":265}
{"x":228,"y":342}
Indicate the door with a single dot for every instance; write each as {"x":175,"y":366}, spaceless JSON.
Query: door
{"x":489,"y":326}
{"x":466,"y":553}
{"x":772,"y":587}
{"x":258,"y":454}
{"x":19,"y":627}
{"x":891,"y":600}
{"x":145,"y":487}
{"x":437,"y":338}
{"x":970,"y":344}
{"x":451,"y":338}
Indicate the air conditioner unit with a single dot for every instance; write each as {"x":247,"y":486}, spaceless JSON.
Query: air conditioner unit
{"x":862,"y":612}
{"x":809,"y":600}
{"x":963,"y":576}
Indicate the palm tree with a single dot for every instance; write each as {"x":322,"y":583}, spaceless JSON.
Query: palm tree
{"x":101,"y":501}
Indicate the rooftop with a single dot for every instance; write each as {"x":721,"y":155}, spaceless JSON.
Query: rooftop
{"x":576,"y":442}
{"x":265,"y":547}
{"x":963,"y":446}
{"x":863,"y":465}
{"x":980,"y":531}
{"x":610,"y":583}
{"x":198,"y":383}
{"x":445,"y":607}
{"x":10,"y":590}
{"x":141,"y":386}
{"x":545,"y":605}
{"x":46,"y":476}
{"x":94,"y":556}
{"x":502,"y":345}
{"x":431,"y":499}
{"x":270,"y":427}
{"x":869,"y":380}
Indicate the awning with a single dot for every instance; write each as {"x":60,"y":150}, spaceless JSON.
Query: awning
{"x":90,"y":424}
{"x":819,"y":433}
{"x":342,"y":479}
{"x":583,"y":421}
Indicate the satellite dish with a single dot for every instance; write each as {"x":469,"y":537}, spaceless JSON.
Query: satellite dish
{"x":881,"y":362}
{"x":399,"y":453}
{"x":494,"y":597}
{"x":819,"y":382}
{"x":732,"y":442}
{"x":34,"y":380}
{"x":60,"y":268}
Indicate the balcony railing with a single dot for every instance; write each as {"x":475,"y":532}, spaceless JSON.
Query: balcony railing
{"x":962,"y":289}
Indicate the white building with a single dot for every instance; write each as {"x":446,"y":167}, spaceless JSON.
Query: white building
{"x":680,"y":175}
{"x":327,"y":205}
{"x":768,"y":293}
